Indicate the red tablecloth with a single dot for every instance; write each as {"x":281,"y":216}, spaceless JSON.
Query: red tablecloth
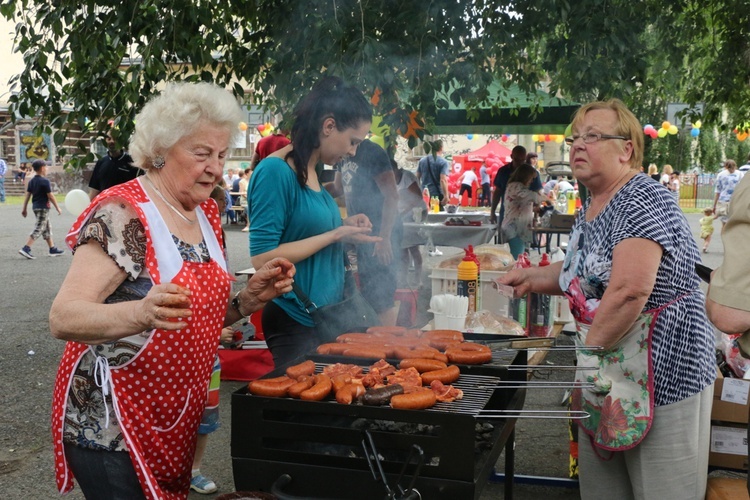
{"x":245,"y":364}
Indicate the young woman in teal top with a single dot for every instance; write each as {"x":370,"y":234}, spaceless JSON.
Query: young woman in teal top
{"x":292,"y":215}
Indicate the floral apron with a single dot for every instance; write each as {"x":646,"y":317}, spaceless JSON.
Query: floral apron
{"x":158,"y":395}
{"x":621,"y":401}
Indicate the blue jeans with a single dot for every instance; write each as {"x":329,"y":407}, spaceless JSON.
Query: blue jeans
{"x":2,"y":189}
{"x":104,"y":475}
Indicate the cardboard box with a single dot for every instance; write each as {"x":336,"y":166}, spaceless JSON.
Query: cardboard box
{"x":445,"y":280}
{"x":731,"y":400}
{"x":728,"y":446}
{"x":561,"y":221}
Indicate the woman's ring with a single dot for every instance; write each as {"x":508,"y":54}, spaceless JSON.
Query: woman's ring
{"x":158,"y":316}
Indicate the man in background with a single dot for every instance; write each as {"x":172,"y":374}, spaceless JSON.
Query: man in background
{"x":484,"y":178}
{"x":112,"y":169}
{"x":369,"y":185}
{"x":726,"y":301}
{"x":267,"y":145}
{"x":432,"y":173}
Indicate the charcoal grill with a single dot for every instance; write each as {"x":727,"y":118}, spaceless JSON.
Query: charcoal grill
{"x":319,"y":444}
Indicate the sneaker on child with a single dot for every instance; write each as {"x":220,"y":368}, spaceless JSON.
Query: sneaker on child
{"x":202,"y":484}
{"x":26,"y":252}
{"x":54,"y":252}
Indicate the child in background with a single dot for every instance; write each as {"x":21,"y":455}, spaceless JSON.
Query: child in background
{"x":39,"y":191}
{"x":707,"y":227}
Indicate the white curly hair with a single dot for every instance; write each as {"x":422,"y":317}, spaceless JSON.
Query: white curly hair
{"x":177,"y":112}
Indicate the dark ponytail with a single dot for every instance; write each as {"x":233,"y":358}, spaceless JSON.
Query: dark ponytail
{"x":330,"y":97}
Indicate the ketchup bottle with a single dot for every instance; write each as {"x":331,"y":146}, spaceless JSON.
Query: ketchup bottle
{"x":539,"y":309}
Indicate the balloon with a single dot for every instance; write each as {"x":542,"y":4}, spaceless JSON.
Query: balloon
{"x":261,"y":127}
{"x":242,"y":126}
{"x":535,"y":138}
{"x":377,"y":139}
{"x":648,"y":127}
{"x":76,"y":201}
{"x":547,"y":138}
{"x":695,"y":132}
{"x":470,"y":136}
{"x":662,"y":132}
{"x":742,"y":136}
{"x":672,"y":129}
{"x":505,"y":138}
{"x":697,"y":124}
{"x":653,"y":133}
{"x":665,"y":125}
{"x":559,"y":138}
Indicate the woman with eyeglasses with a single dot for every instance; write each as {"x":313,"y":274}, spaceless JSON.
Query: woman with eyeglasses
{"x":648,"y":349}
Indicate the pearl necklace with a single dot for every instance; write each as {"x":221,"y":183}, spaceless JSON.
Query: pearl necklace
{"x":174,"y":209}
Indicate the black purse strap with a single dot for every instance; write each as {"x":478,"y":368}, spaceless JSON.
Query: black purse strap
{"x":308,"y":304}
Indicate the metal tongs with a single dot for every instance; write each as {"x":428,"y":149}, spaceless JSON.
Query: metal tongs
{"x":566,"y":414}
{"x":376,"y":467}
{"x":537,"y":344}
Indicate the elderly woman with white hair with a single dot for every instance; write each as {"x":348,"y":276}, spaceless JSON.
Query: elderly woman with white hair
{"x":143,"y":305}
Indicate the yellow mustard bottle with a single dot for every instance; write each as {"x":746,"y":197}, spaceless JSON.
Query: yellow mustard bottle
{"x":468,"y":277}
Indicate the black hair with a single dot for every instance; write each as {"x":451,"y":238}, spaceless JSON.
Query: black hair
{"x":330,"y":97}
{"x":38,"y":164}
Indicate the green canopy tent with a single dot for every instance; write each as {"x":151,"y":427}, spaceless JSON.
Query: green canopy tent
{"x":515,"y":113}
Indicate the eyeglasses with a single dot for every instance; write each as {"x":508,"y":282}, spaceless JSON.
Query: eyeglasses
{"x":591,"y":138}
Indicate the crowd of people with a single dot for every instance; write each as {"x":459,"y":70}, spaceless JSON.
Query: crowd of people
{"x":149,"y":284}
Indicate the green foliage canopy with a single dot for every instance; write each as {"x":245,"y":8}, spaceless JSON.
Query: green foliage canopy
{"x":90,"y":61}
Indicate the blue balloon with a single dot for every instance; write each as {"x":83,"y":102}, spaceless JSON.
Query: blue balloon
{"x":695,"y":132}
{"x":470,"y":136}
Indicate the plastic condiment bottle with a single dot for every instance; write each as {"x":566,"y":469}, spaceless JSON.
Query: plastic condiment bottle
{"x":479,"y":278}
{"x":426,"y":198}
{"x":467,"y":279}
{"x":519,"y":307}
{"x":540,"y":309}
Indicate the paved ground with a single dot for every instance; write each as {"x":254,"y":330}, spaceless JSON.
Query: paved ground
{"x":29,"y":359}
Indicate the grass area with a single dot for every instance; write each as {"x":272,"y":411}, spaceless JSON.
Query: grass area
{"x":14,"y":200}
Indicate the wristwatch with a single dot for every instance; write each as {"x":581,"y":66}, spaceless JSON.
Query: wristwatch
{"x":236,"y":303}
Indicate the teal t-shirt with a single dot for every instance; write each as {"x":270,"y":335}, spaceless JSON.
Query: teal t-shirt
{"x":280,"y":211}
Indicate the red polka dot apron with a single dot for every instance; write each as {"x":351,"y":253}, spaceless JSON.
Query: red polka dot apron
{"x":159,"y":395}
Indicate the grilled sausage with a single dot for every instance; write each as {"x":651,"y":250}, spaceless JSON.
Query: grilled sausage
{"x":444,"y":334}
{"x":349,"y":393}
{"x":332,"y":348}
{"x":446,"y":375}
{"x":340,"y":380}
{"x":424,"y":352}
{"x":422,"y":365}
{"x":305,"y":382}
{"x":381,"y":395}
{"x":467,"y":353}
{"x":418,"y":400}
{"x":320,"y":390}
{"x":304,"y":368}
{"x":365,"y":351}
{"x":271,"y":387}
